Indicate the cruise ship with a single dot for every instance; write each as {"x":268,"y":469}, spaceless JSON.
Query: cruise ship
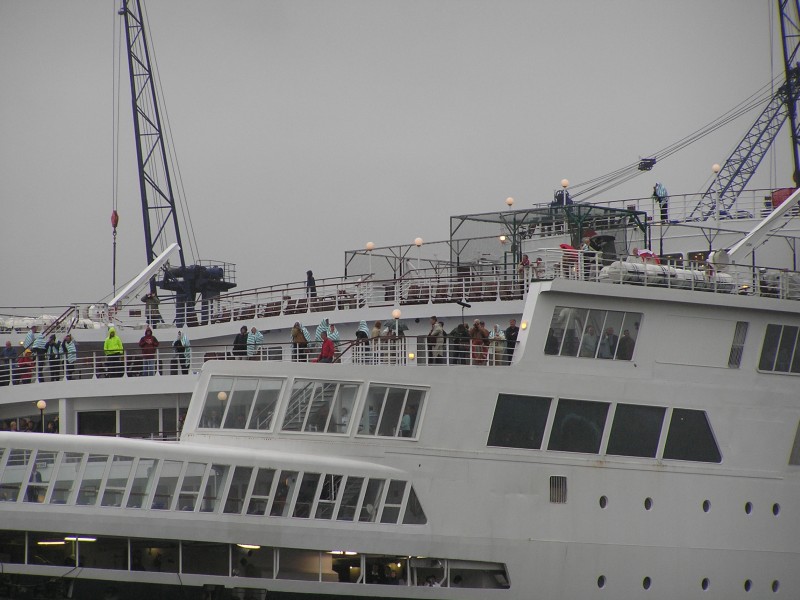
{"x":617,"y":416}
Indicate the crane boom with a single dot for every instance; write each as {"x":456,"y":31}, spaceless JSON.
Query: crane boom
{"x":720,"y":198}
{"x":161,"y":226}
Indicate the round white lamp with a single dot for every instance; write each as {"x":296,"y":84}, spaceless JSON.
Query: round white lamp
{"x":509,"y":201}
{"x":41,"y":405}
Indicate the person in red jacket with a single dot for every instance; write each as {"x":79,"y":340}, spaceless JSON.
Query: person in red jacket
{"x":327,"y":351}
{"x":25,"y":366}
{"x":148,"y":344}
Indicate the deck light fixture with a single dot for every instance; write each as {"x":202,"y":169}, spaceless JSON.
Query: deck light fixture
{"x":41,"y":405}
{"x":509,"y":202}
{"x":523,"y":325}
{"x":249,"y":546}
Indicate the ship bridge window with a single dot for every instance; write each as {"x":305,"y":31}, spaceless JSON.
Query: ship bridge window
{"x":261,"y":492}
{"x":580,"y":332}
{"x":320,"y":406}
{"x":14,"y":473}
{"x":215,"y":485}
{"x":190,"y":486}
{"x":779,"y":352}
{"x":142,"y":482}
{"x":68,"y":472}
{"x":635,"y":430}
{"x":369,"y":507}
{"x":167,"y":482}
{"x":519,"y":421}
{"x":391,"y":411}
{"x":350,"y":497}
{"x":240,"y":403}
{"x":234,"y":503}
{"x":117,"y":481}
{"x":690,"y":437}
{"x":92,"y":477}
{"x":578,"y":426}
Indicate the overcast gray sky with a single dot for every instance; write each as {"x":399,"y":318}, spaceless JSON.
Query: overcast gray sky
{"x":307,"y":127}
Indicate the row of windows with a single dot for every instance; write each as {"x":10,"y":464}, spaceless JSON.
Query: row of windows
{"x":87,"y":479}
{"x":242,"y":560}
{"x":312,"y":406}
{"x":578,"y":426}
{"x":591,"y":333}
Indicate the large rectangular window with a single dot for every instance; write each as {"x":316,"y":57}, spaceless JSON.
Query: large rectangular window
{"x":636,"y":430}
{"x":320,"y":406}
{"x":519,"y":421}
{"x":592,"y":333}
{"x":391,"y":411}
{"x":578,"y":426}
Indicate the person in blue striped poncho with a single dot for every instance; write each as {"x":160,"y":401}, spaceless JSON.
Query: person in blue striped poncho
{"x":254,"y":340}
{"x":70,"y":350}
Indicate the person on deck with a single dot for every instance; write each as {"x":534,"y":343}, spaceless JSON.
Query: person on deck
{"x":148,"y":343}
{"x":115,"y":354}
{"x":327,"y":351}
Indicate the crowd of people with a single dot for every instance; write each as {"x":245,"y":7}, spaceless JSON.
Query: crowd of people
{"x":29,"y":425}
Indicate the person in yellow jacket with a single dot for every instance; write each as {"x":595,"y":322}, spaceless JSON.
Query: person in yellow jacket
{"x":115,"y":354}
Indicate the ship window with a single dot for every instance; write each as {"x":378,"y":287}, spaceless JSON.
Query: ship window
{"x":12,"y":547}
{"x":190,"y":487}
{"x":306,"y":495}
{"x":41,"y":475}
{"x":794,"y":457}
{"x":342,"y":408}
{"x":635,"y":430}
{"x":309,"y":405}
{"x":234,"y":503}
{"x":391,"y":411}
{"x":219,"y":390}
{"x":369,"y":508}
{"x":13,"y":474}
{"x":283,"y":494}
{"x":167,"y":481}
{"x":92,"y":477}
{"x":102,"y":552}
{"x":67,"y":475}
{"x":139,"y":423}
{"x":304,"y":565}
{"x":50,"y":548}
{"x":251,"y":562}
{"x":519,"y":421}
{"x":320,"y":407}
{"x":592,"y":333}
{"x":117,"y":480}
{"x":414,"y":513}
{"x":349,"y":503}
{"x":737,"y":346}
{"x":266,"y":400}
{"x":261,"y":492}
{"x":205,"y":558}
{"x":142,"y":482}
{"x":328,"y":494}
{"x":239,"y":402}
{"x":578,"y":426}
{"x":97,"y":422}
{"x":779,"y":351}
{"x":214,"y":487}
{"x":690,"y":437}
{"x":786,"y":349}
{"x":154,"y":555}
{"x":394,"y":498}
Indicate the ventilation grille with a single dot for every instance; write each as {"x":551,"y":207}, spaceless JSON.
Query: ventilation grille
{"x":558,"y":489}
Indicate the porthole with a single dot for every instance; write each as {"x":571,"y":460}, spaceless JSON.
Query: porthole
{"x":705,"y":583}
{"x":601,"y":581}
{"x":648,"y":503}
{"x":706,"y":505}
{"x":747,"y":585}
{"x":776,"y":585}
{"x":646,"y":583}
{"x":603,"y":501}
{"x":776,"y":509}
{"x":748,"y":507}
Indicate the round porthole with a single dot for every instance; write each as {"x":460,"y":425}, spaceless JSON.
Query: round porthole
{"x":601,"y":581}
{"x":603,"y":501}
{"x":747,"y":585}
{"x":776,"y":509}
{"x":706,"y":505}
{"x":705,"y":583}
{"x":748,"y":507}
{"x":646,"y":583}
{"x":648,"y":503}
{"x":776,"y":585}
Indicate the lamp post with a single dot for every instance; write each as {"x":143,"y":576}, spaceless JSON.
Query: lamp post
{"x":41,"y":405}
{"x":396,"y":316}
{"x":418,"y":244}
{"x":370,"y":247}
